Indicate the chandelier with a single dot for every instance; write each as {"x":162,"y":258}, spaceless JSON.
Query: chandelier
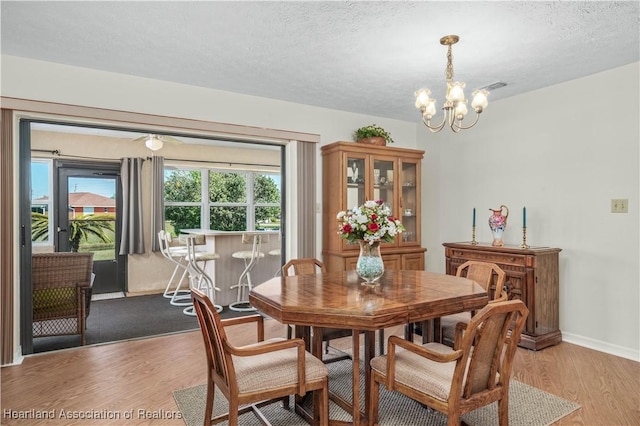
{"x":455,"y":105}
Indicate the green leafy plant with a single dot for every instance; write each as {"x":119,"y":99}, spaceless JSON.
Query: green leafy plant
{"x":100,"y":226}
{"x":372,"y":131}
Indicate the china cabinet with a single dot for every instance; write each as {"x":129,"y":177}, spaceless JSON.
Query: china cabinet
{"x":532,"y":275}
{"x":353,"y":173}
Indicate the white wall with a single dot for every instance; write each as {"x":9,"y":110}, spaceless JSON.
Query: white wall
{"x":563,"y":152}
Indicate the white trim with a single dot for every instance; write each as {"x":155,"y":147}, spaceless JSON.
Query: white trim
{"x":41,"y":110}
{"x":601,"y":346}
{"x":131,"y":120}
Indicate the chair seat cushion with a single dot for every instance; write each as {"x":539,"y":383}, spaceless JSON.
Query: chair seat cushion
{"x":178,"y":251}
{"x":448,"y":324}
{"x":420,"y":373}
{"x":60,"y":301}
{"x":274,"y":369}
{"x":202,"y":257}
{"x":245,"y":254}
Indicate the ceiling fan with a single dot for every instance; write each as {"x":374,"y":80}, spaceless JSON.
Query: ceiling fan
{"x":155,"y":142}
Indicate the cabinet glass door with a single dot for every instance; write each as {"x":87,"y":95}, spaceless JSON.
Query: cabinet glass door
{"x":383,"y":177}
{"x":410,"y":206}
{"x":355,"y":182}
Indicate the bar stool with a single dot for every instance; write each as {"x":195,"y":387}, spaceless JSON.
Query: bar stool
{"x":198,"y":278}
{"x":250,"y":258}
{"x":276,"y":252}
{"x":177,"y":255}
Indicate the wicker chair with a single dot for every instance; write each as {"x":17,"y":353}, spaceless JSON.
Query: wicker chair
{"x":259,"y":373}
{"x":474,"y":373}
{"x":61,"y":285}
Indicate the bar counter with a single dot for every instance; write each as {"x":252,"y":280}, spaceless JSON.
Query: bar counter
{"x":226,"y":270}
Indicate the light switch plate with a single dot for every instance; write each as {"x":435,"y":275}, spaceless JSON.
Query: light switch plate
{"x":619,"y":205}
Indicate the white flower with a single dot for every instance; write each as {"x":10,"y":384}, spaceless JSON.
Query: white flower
{"x":371,"y":222}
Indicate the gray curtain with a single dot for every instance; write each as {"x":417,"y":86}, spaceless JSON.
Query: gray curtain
{"x":306,"y":199}
{"x":157,"y":200}
{"x":132,"y":237}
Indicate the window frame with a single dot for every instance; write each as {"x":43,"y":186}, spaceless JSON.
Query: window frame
{"x":205,"y":204}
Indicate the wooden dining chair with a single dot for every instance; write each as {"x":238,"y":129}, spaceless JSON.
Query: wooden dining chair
{"x":310,"y":265}
{"x":476,"y":372}
{"x":483,"y":273}
{"x":259,"y":373}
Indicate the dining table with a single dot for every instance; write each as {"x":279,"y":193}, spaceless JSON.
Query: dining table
{"x":342,"y":300}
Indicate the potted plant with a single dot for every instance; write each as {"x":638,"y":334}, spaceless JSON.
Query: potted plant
{"x":373,"y":134}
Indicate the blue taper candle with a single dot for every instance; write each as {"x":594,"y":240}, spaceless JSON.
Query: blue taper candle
{"x":524,"y":217}
{"x":474,"y":217}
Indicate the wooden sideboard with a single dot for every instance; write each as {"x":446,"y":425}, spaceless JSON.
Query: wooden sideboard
{"x":532,"y":276}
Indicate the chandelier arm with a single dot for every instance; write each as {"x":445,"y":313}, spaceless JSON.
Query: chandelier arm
{"x":460,"y":127}
{"x":435,"y":129}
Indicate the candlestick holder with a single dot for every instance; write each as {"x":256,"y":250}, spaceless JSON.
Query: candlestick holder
{"x":473,"y":236}
{"x":524,"y":238}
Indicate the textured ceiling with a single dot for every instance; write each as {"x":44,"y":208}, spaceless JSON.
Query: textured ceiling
{"x":365,"y":57}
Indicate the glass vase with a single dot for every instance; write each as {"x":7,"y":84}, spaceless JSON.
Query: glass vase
{"x":370,"y":266}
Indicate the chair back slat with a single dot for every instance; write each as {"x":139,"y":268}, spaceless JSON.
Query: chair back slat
{"x":303,"y":266}
{"x":483,"y":273}
{"x":164,"y":249}
{"x":220,"y":363}
{"x":489,"y":344}
{"x":50,"y":270}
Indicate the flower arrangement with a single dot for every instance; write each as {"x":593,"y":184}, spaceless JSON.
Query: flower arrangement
{"x":372,"y":130}
{"x":371,"y":222}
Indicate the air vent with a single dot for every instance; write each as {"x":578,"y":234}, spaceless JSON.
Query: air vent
{"x":493,"y":86}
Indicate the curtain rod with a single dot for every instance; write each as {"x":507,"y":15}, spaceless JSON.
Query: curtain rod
{"x":220,"y":162}
{"x":56,"y":152}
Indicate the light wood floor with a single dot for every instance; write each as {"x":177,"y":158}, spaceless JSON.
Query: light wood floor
{"x":137,"y":377}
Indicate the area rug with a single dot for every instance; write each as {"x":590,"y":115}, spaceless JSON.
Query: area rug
{"x":528,"y":406}
{"x":126,"y":318}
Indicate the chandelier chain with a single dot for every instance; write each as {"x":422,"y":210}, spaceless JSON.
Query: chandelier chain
{"x":449,"y":70}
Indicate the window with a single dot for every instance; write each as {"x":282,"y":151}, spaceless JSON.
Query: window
{"x":266,"y":196}
{"x":41,"y":201}
{"x":234,"y":200}
{"x":182,"y":199}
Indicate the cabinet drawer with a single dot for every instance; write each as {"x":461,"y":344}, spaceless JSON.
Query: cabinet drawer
{"x":498,"y":258}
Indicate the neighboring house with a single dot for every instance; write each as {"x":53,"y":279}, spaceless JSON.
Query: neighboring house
{"x":84,"y":203}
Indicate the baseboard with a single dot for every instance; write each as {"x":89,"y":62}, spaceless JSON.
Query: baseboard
{"x":17,"y":357}
{"x":598,"y":345}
